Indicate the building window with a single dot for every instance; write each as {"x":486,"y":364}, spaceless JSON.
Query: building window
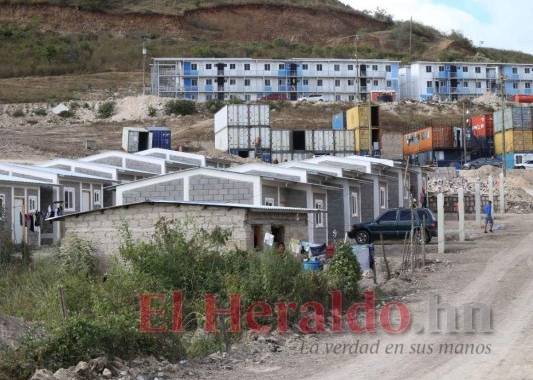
{"x":441,"y":68}
{"x":319,"y":216}
{"x":429,"y":84}
{"x":209,"y":82}
{"x":267,"y":66}
{"x":247,"y":67}
{"x":97,"y":197}
{"x":267,"y":82}
{"x":515,"y":70}
{"x":337,"y":67}
{"x":2,"y":206}
{"x":305,"y":66}
{"x":319,"y":83}
{"x":319,"y":67}
{"x":465,"y":84}
{"x":337,"y":98}
{"x":247,"y":82}
{"x":269,"y":201}
{"x":351,"y":98}
{"x":355,"y":204}
{"x":32,"y":203}
{"x":208,"y":66}
{"x":232,"y":66}
{"x":194,"y":66}
{"x":281,"y":66}
{"x":374,"y":67}
{"x":383,"y":202}
{"x":69,"y":199}
{"x":528,"y":84}
{"x":478,"y":70}
{"x":465,"y":69}
{"x":350,"y":67}
{"x":428,"y":69}
{"x":232,"y":82}
{"x":209,"y":97}
{"x":376,"y":83}
{"x":350,"y":82}
{"x":194,"y":82}
{"x":388,"y":68}
{"x":247,"y":97}
{"x":527,"y":70}
{"x":515,"y":85}
{"x":337,"y":83}
{"x":389,"y":83}
{"x":306,"y":82}
{"x":478,"y":84}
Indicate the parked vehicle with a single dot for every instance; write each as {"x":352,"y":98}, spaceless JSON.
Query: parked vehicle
{"x":275,"y":96}
{"x":395,"y":224}
{"x":315,"y":98}
{"x":526,"y":165}
{"x":476,"y":164}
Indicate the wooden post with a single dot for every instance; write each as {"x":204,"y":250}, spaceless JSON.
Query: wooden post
{"x":387,"y":268}
{"x":502,"y":194}
{"x":477,"y":204}
{"x":423,"y":240}
{"x":440,"y":217}
{"x":491,"y":189}
{"x":461,"y":210}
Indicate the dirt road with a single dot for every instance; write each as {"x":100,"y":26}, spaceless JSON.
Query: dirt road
{"x":493,"y":269}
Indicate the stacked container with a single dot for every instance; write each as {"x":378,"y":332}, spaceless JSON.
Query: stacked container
{"x":482,"y":135}
{"x":241,"y":128}
{"x":161,"y":137}
{"x":136,"y":139}
{"x":518,"y":133}
{"x":339,"y":121}
{"x":364,"y":121}
{"x":440,"y":144}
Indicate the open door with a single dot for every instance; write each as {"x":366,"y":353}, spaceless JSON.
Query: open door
{"x":18,"y":215}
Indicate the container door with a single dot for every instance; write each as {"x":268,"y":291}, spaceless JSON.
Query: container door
{"x":133,"y":141}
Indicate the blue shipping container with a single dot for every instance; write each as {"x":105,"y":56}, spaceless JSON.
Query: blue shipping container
{"x":161,"y":137}
{"x":339,"y":121}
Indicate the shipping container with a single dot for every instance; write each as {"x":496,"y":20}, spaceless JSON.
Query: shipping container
{"x":323,"y":140}
{"x":382,"y":96}
{"x":136,"y":139}
{"x":514,"y":160}
{"x":344,"y":141}
{"x":281,"y":140}
{"x":242,"y":115}
{"x":515,"y":141}
{"x":432,"y":139}
{"x":523,"y":99}
{"x":482,"y":125}
{"x":161,"y":137}
{"x":357,"y":117}
{"x":515,"y":118}
{"x":441,"y":158}
{"x":339,"y":121}
{"x":243,"y":137}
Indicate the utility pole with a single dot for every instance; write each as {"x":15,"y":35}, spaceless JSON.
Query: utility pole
{"x":357,"y":79}
{"x":504,"y":148}
{"x":464,"y":134}
{"x":144,"y":68}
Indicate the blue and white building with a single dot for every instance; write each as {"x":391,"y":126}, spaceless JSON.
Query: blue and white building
{"x":425,"y":80}
{"x":204,"y":79}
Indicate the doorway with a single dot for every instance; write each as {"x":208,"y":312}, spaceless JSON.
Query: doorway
{"x":279,"y":234}
{"x":85,"y":201}
{"x":18,"y":220}
{"x":298,"y":140}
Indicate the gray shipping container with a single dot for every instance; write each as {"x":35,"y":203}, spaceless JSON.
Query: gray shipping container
{"x":515,"y":118}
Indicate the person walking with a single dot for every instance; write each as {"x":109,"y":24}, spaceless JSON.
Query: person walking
{"x":489,"y":221}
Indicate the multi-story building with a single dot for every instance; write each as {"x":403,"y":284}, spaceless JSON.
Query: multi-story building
{"x":454,"y":80}
{"x":203,"y":79}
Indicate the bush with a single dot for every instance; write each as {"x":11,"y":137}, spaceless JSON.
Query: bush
{"x":76,"y":256}
{"x":214,"y":106}
{"x":19,"y":112}
{"x":344,"y":273}
{"x":40,"y":112}
{"x":152,"y":111}
{"x":106,"y":110}
{"x":180,"y":107}
{"x":66,"y":114}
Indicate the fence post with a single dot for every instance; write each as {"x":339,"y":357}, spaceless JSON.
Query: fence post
{"x":440,"y":217}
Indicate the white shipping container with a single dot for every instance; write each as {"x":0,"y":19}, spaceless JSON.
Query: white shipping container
{"x":239,"y":138}
{"x":259,"y":115}
{"x":323,"y":140}
{"x":136,"y":139}
{"x":222,"y":140}
{"x":344,"y":141}
{"x":280,"y":140}
{"x":264,"y":133}
{"x":221,"y":119}
{"x":309,"y":140}
{"x":242,"y":115}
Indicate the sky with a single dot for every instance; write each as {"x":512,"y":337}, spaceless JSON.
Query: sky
{"x":491,"y":23}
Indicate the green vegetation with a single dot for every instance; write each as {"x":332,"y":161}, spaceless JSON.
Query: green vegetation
{"x":19,"y":112}
{"x":152,"y":111}
{"x":106,"y":110}
{"x":101,"y":314}
{"x":40,"y":112}
{"x":180,"y":107}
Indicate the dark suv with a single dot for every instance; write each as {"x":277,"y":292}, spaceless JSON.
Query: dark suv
{"x":395,"y":224}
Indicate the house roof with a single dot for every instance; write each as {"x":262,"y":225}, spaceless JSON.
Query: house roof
{"x":25,"y":181}
{"x":287,"y":210}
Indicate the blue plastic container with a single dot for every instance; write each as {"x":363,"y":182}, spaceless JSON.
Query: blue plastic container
{"x":161,"y":137}
{"x":266,"y":157}
{"x":339,"y":121}
{"x":312,"y":266}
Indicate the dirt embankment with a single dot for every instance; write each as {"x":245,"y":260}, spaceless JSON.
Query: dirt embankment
{"x":249,"y":22}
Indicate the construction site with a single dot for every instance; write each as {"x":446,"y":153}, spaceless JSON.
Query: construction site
{"x":260,"y":194}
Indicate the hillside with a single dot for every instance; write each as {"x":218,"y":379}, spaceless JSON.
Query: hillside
{"x":80,"y":37}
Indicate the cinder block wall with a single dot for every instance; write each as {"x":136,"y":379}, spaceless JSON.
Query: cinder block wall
{"x":216,"y":189}
{"x":450,"y":203}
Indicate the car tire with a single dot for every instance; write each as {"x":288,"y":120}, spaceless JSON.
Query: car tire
{"x":362,"y":237}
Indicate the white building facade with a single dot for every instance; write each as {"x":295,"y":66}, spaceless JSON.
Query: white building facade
{"x":204,"y":79}
{"x":427,"y":80}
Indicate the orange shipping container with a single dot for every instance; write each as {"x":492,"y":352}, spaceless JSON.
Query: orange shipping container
{"x":482,"y":125}
{"x":523,"y":98}
{"x":428,"y":139}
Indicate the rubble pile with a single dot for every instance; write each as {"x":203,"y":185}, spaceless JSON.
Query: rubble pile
{"x":518,"y":187}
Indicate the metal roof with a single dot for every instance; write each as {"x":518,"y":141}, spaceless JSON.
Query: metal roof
{"x":14,"y":179}
{"x":289,"y":210}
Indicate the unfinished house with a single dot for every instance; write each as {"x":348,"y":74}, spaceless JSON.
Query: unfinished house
{"x":52,"y":191}
{"x":243,"y":220}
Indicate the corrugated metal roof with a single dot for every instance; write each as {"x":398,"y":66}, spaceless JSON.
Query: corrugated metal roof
{"x":8,"y":178}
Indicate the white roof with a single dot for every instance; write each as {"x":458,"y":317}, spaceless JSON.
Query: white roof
{"x":168,"y":153}
{"x":270,"y":168}
{"x":80,"y":164}
{"x":322,"y":169}
{"x":346,"y":163}
{"x":374,"y":160}
{"x":9,"y":178}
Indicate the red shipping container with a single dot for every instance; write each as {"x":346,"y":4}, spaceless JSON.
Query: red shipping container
{"x":523,"y":98}
{"x":382,"y":96}
{"x":482,"y":125}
